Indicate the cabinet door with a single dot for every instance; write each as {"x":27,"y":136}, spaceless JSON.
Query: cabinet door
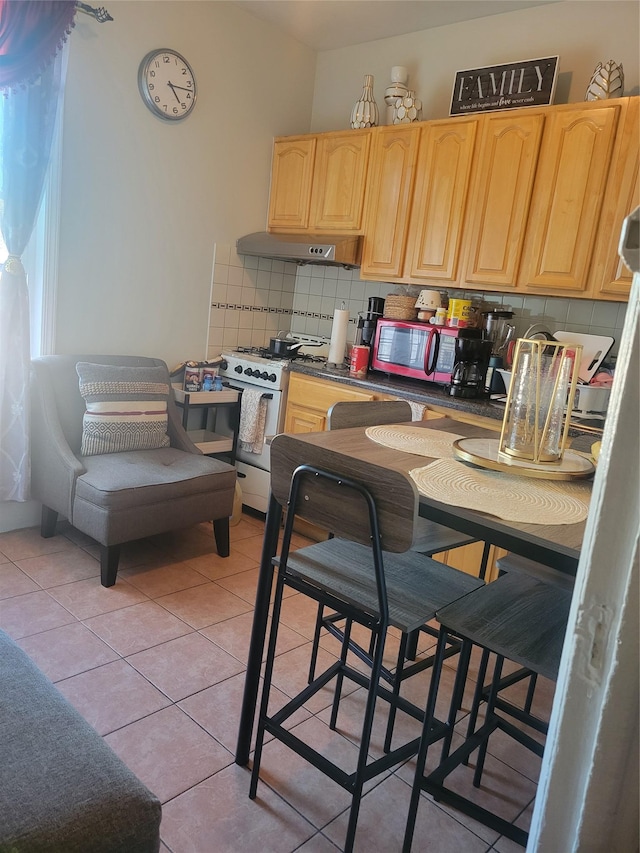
{"x":299,"y":419}
{"x":291,"y":178}
{"x":440,"y":199}
{"x":500,"y":197}
{"x":567,"y":198}
{"x":390,"y":187}
{"x":309,"y":399}
{"x":611,"y":279}
{"x":337,"y":200}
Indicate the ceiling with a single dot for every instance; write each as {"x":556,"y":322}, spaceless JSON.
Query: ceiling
{"x":331,"y":24}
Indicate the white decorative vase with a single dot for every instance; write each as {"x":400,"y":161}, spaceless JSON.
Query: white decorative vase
{"x":407,"y":109}
{"x":397,"y":89}
{"x":607,"y":81}
{"x":365,"y":111}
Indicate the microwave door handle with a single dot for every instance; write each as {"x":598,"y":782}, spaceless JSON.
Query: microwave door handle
{"x":429,"y":365}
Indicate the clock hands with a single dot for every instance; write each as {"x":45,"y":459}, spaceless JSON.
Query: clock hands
{"x":184,"y":88}
{"x":173,"y":89}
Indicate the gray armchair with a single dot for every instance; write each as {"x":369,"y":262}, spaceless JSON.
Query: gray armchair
{"x":118,"y":497}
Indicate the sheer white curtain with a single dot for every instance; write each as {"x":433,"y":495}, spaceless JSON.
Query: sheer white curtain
{"x":31,"y":34}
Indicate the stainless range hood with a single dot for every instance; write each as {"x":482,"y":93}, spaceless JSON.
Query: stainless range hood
{"x":303,"y":248}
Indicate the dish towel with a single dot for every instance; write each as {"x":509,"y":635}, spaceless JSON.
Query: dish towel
{"x":417,"y":410}
{"x":253,"y":413}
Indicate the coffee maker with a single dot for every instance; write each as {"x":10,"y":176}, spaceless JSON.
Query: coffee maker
{"x":472,"y":353}
{"x":368,"y":320}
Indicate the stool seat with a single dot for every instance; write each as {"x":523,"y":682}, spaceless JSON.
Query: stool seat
{"x":516,"y":616}
{"x":416,"y":586}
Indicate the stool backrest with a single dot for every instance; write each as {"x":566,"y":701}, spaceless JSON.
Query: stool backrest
{"x":342,"y":510}
{"x":368,"y":413}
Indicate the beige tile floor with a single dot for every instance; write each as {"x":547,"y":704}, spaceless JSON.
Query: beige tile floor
{"x":156,"y":665}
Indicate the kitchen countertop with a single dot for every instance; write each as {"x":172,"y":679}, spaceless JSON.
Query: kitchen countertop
{"x":433,"y":395}
{"x":428,"y":393}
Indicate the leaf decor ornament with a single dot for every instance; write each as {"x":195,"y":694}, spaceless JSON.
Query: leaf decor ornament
{"x":607,"y":82}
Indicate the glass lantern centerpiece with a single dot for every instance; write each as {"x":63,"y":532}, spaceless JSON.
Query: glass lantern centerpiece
{"x":543,"y":385}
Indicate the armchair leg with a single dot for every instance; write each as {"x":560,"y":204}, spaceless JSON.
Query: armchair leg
{"x":109,"y":558}
{"x":48,"y":521}
{"x":221,"y":535}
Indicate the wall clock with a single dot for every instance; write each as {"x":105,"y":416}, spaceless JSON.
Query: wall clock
{"x":167,"y":84}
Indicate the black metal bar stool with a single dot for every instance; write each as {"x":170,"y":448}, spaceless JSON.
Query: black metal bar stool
{"x":516,"y":563}
{"x":368,"y":573}
{"x":519,"y":618}
{"x":430,"y":539}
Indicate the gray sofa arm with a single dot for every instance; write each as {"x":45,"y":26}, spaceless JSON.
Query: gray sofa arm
{"x":55,"y":468}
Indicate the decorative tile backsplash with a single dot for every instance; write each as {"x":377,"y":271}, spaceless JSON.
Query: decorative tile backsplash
{"x":252,"y":299}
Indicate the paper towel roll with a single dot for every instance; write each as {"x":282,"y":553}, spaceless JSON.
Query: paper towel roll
{"x":338,"y":343}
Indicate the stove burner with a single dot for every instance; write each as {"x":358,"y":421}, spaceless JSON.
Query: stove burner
{"x":264,"y":352}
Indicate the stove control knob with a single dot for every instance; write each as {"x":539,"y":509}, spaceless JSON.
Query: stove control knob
{"x":272,"y":377}
{"x":264,"y":375}
{"x":238,"y":368}
{"x":248,"y":372}
{"x":223,"y":365}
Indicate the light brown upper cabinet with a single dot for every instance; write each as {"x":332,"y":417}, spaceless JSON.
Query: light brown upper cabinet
{"x":525,"y":201}
{"x":500,"y":196}
{"x":610,"y":278}
{"x":416,"y":198}
{"x":394,"y":153}
{"x":291,"y":177}
{"x":570,"y":185}
{"x":318,"y":182}
{"x":440,"y":200}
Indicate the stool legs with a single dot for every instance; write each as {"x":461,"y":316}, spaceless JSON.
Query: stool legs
{"x":425,"y":742}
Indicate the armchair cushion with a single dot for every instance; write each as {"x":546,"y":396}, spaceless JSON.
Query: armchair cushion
{"x":126,"y":408}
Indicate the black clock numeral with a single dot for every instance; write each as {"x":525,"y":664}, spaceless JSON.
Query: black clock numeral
{"x":166,"y":59}
{"x":151,"y":87}
{"x":157,"y":99}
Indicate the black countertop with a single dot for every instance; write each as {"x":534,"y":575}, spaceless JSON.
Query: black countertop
{"x":431,"y":394}
{"x":427,"y":393}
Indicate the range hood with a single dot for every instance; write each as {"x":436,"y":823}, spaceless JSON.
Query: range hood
{"x":303,"y":248}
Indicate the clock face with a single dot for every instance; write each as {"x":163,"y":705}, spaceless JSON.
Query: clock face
{"x":167,"y":84}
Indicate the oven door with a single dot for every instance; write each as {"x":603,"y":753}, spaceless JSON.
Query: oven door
{"x":273,"y":425}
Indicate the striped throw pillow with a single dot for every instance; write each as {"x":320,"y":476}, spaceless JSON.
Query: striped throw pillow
{"x":126,"y":408}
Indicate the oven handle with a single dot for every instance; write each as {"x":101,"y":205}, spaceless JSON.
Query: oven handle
{"x":266,"y":394}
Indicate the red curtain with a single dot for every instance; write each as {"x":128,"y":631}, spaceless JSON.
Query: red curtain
{"x":31,"y":33}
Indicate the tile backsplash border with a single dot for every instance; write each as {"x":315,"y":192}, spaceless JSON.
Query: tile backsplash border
{"x":252,"y":299}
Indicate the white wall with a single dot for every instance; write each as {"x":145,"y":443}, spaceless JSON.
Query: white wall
{"x":581,"y":32}
{"x":144,"y":201}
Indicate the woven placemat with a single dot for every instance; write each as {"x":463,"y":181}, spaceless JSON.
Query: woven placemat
{"x":424,"y":442}
{"x":506,"y":496}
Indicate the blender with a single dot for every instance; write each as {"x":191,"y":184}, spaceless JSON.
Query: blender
{"x":501,"y":333}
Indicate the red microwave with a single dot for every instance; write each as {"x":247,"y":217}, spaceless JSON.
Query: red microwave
{"x":417,"y":350}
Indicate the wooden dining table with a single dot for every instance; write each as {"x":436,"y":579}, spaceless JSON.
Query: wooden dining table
{"x":349,"y":452}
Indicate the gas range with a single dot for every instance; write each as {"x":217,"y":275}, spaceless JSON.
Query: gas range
{"x":258,"y":367}
{"x":254,"y":370}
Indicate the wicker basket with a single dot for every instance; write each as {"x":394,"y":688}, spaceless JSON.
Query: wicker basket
{"x":400,"y":308}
